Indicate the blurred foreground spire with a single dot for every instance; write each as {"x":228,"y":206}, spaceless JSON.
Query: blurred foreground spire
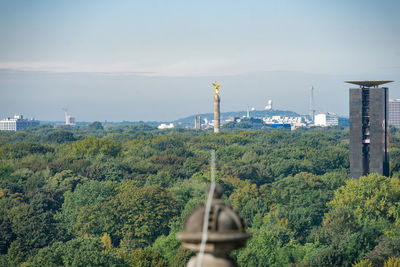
{"x":225,"y":233}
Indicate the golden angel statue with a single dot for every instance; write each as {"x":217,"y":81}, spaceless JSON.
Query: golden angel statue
{"x":216,"y":86}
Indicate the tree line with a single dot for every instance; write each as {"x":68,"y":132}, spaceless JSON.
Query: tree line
{"x":117,"y":196}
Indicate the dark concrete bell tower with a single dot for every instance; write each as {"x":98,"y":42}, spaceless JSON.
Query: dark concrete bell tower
{"x":369,"y":140}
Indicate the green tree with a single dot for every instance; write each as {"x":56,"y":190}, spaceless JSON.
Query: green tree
{"x":144,"y":257}
{"x":89,"y":193}
{"x":24,"y":149}
{"x":60,"y":137}
{"x":135,"y":215}
{"x":76,"y":252}
{"x":168,"y":246}
{"x":145,"y":212}
{"x":263,"y":248}
{"x":385,"y":249}
{"x":96,"y":125}
{"x":91,"y":146}
{"x":248,"y":201}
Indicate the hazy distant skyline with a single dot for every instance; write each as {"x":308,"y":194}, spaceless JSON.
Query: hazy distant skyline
{"x":155,"y":60}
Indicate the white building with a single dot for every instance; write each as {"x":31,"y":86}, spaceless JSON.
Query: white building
{"x":295,"y":122}
{"x":69,"y":120}
{"x":17,"y":123}
{"x":269,"y":105}
{"x":394,"y":112}
{"x":326,"y":119}
{"x":165,"y":126}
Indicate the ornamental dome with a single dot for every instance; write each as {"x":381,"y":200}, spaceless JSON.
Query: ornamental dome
{"x":226,"y":230}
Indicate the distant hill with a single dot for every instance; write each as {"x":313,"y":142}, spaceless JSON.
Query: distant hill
{"x":189,"y":121}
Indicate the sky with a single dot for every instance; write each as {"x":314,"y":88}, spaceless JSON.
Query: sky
{"x":155,"y":60}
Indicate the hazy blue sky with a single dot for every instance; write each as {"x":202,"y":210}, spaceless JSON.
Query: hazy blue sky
{"x":155,"y":60}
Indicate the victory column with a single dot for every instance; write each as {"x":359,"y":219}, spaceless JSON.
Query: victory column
{"x":217,"y":101}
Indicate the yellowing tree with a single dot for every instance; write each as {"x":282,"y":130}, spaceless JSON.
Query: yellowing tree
{"x":392,"y":262}
{"x":372,"y":197}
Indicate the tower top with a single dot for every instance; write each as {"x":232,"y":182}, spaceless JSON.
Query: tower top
{"x":368,"y":83}
{"x":216,"y":86}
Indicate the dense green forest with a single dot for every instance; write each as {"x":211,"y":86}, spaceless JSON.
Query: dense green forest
{"x":117,"y":196}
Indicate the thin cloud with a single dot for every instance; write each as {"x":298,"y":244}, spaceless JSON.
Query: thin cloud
{"x":63,"y":67}
{"x":183,"y":68}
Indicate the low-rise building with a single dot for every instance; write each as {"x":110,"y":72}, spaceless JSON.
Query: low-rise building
{"x":17,"y":123}
{"x":394,"y":112}
{"x":326,"y":119}
{"x":165,"y":126}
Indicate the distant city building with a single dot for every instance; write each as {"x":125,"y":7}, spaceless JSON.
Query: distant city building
{"x":394,"y":112}
{"x":344,"y":122}
{"x":294,"y":122}
{"x":269,"y":105}
{"x":369,"y":140}
{"x":165,"y":126}
{"x":256,"y":123}
{"x":281,"y":125}
{"x":197,"y":122}
{"x":17,"y":123}
{"x":253,"y":122}
{"x":326,"y":119}
{"x":69,"y":120}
